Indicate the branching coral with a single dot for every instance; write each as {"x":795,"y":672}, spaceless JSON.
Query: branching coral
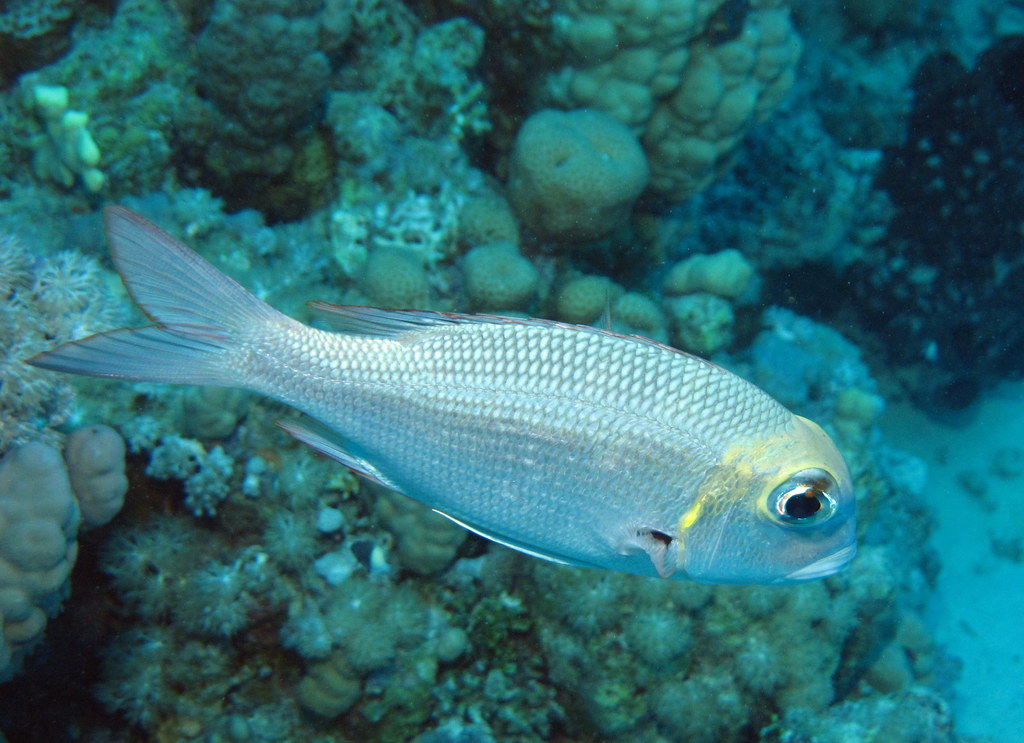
{"x":66,"y":152}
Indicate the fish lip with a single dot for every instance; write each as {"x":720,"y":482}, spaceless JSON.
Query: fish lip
{"x":824,"y":566}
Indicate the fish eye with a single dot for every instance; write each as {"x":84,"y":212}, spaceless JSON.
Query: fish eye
{"x":803,"y":499}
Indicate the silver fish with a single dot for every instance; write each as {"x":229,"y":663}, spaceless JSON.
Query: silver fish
{"x":568,"y":443}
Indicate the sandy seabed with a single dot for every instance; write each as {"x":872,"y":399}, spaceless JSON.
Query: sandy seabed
{"x":978,"y":501}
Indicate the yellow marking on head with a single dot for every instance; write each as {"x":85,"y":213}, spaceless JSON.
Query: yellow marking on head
{"x":760,"y":462}
{"x":690,"y":517}
{"x":687,"y":520}
{"x":803,"y":445}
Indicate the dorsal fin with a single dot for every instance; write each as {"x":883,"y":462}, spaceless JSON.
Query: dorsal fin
{"x":606,"y":314}
{"x":379,"y":323}
{"x":375,"y":322}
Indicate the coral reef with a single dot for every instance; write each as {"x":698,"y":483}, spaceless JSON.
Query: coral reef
{"x":808,"y":365}
{"x":261,"y":82}
{"x":32,"y":32}
{"x":913,"y":714}
{"x":691,"y":85}
{"x":592,"y":161}
{"x":797,"y":197}
{"x":952,"y":265}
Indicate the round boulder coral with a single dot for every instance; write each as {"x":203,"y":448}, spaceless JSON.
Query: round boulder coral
{"x":394,"y":277}
{"x":574,"y":175}
{"x":702,"y":322}
{"x":583,"y":299}
{"x":487,"y":219}
{"x":637,"y":314}
{"x":725,"y":274}
{"x":498,"y":277}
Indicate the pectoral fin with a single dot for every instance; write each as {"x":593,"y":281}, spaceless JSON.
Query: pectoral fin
{"x":659,"y":546}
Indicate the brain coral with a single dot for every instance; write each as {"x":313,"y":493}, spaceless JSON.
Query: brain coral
{"x":635,"y":313}
{"x":574,"y":175}
{"x":690,"y":84}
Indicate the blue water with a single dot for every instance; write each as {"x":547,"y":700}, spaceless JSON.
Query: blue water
{"x":824,"y":197}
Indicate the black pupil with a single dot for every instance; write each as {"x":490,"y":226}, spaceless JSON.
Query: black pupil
{"x":804,"y":505}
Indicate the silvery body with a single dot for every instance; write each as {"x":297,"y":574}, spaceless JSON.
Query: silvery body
{"x":565,"y":442}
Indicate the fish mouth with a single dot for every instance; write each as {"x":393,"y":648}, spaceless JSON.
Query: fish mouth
{"x":825,"y":566}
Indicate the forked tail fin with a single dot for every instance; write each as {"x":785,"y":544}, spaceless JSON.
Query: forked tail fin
{"x":200,"y":314}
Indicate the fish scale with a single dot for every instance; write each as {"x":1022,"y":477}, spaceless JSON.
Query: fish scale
{"x":424,"y":407}
{"x":568,"y":443}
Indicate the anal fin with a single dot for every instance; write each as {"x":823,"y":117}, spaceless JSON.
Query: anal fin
{"x":516,"y":545}
{"x":327,"y":444}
